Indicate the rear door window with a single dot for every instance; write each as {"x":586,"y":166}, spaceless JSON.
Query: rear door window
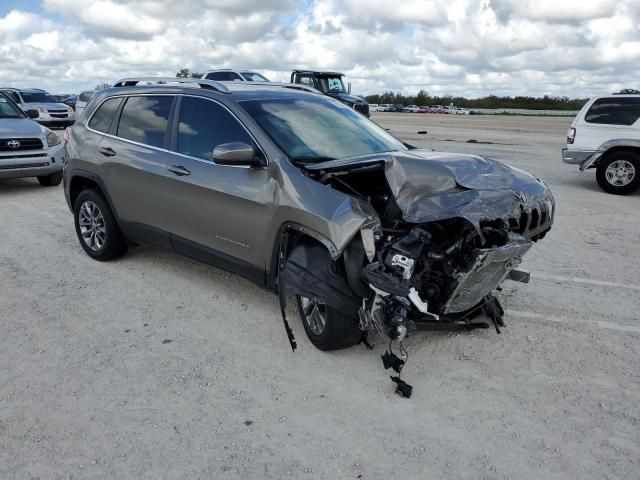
{"x":204,"y":125}
{"x":144,"y":119}
{"x":614,"y":111}
{"x":101,"y":120}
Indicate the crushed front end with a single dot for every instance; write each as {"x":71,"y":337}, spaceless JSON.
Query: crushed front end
{"x":449,"y":230}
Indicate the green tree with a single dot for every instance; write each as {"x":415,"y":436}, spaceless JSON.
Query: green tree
{"x":185,"y":73}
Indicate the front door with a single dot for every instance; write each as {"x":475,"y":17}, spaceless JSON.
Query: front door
{"x":216,"y":210}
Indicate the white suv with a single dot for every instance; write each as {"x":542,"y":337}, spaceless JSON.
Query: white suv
{"x":606,"y":135}
{"x":51,"y":112}
{"x":228,"y":75}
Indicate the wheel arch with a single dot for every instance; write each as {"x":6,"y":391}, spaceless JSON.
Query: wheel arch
{"x":81,"y":180}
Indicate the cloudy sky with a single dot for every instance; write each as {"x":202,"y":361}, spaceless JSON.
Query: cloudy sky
{"x":468,"y":47}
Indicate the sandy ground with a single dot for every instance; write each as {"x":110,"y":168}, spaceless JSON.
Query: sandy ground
{"x":158,"y":367}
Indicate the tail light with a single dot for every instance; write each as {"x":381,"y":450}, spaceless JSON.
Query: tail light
{"x":571,"y":135}
{"x":66,"y":134}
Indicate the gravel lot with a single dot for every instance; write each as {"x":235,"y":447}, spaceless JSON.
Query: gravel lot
{"x":155,"y":366}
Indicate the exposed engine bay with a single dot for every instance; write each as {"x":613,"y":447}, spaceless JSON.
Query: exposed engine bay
{"x":447,"y":231}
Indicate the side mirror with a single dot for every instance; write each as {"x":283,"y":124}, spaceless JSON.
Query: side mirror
{"x":32,"y":113}
{"x":237,"y":154}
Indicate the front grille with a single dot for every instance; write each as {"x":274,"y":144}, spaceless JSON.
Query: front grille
{"x":363,"y":109}
{"x":533,"y":221}
{"x":58,"y":115}
{"x":32,"y":155}
{"x":57,"y":111}
{"x":23,"y":165}
{"x":25,"y":144}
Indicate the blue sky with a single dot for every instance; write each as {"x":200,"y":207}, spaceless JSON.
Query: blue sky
{"x":575,"y":48}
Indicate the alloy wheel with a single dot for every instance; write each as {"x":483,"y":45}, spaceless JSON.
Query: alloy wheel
{"x":315,"y":314}
{"x":620,"y":173}
{"x":92,"y":226}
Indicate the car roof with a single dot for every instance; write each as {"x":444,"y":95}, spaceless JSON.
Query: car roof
{"x":320,"y":72}
{"x":239,"y":91}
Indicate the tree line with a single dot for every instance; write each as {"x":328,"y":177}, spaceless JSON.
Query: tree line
{"x":492,"y":101}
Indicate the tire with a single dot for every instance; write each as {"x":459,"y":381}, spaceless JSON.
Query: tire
{"x":96,"y":227}
{"x":51,"y":180}
{"x":339,"y":331}
{"x":619,"y":172}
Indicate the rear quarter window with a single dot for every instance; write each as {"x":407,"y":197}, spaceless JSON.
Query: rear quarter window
{"x":614,"y":111}
{"x":101,"y":120}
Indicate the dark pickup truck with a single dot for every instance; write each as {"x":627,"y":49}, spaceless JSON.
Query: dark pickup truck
{"x":331,"y":84}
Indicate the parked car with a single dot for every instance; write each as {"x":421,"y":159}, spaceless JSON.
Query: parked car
{"x":301,"y":194}
{"x":331,"y":84}
{"x":27,"y":149}
{"x":70,"y":101}
{"x":229,"y":75}
{"x":374,"y":107}
{"x":605,"y":135}
{"x":83,"y":99}
{"x":50,"y":112}
{"x":422,"y":110}
{"x":410,"y":109}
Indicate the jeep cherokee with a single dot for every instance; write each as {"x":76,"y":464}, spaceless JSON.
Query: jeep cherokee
{"x":303,"y":195}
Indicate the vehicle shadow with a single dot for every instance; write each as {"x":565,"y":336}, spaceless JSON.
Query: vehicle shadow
{"x":21,"y":185}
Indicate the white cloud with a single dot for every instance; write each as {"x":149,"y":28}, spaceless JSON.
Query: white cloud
{"x":466,"y":47}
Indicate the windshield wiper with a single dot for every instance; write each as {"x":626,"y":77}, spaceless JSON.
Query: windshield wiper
{"x":310,"y":159}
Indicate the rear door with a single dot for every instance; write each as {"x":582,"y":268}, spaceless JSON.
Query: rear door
{"x":134,"y":158}
{"x":216,"y":210}
{"x":609,"y":118}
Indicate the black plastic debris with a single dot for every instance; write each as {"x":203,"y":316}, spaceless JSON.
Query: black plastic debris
{"x":402,"y":388}
{"x":391,"y":360}
{"x":422,"y":132}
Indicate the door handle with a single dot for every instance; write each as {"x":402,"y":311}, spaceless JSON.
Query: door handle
{"x":179,"y":170}
{"x":108,"y":152}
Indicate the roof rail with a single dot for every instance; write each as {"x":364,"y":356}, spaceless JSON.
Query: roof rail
{"x":207,"y":84}
{"x":294,"y":86}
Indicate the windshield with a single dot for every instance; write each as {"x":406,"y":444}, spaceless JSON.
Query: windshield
{"x":8,"y":109}
{"x":254,"y":77}
{"x":333,"y":85}
{"x":37,"y":97}
{"x":315,"y":128}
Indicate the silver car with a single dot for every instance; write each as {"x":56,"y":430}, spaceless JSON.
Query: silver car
{"x":303,"y":195}
{"x":28,"y":149}
{"x":51,"y":112}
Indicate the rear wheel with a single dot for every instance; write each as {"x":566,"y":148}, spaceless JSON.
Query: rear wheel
{"x":619,"y":172}
{"x":327,"y":328}
{"x":96,"y":227}
{"x":51,"y":180}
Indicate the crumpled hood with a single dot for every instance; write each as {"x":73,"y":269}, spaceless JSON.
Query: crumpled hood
{"x":20,"y":128}
{"x":430,"y":186}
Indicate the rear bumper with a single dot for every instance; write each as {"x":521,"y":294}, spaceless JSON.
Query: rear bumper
{"x":584,"y":158}
{"x":32,"y":164}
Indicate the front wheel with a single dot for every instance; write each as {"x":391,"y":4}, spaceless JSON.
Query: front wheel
{"x":619,"y":172}
{"x":51,"y":180}
{"x":327,"y":328}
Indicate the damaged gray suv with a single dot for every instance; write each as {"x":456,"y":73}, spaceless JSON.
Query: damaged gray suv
{"x":304,"y":196}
